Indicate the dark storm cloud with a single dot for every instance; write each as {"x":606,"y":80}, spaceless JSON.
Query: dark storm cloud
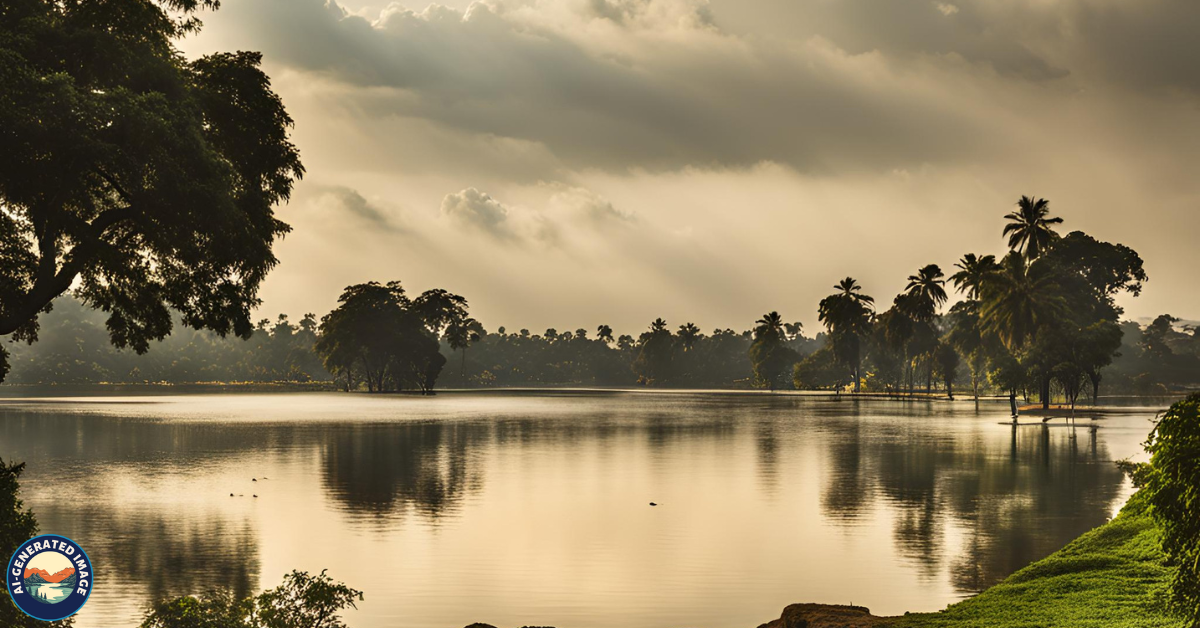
{"x":653,"y":87}
{"x":658,"y":84}
{"x":1147,"y":45}
{"x":731,"y":136}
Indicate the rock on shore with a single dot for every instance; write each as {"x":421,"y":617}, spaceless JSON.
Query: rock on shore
{"x":824,"y":616}
{"x":804,"y":616}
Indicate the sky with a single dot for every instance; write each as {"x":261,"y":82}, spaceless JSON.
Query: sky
{"x":567,"y":163}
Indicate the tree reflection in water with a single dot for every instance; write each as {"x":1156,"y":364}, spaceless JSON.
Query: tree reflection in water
{"x":959,"y":499}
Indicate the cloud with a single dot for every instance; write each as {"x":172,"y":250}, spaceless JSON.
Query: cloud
{"x":946,"y":8}
{"x":584,"y":205}
{"x":660,"y":88}
{"x":349,"y":201}
{"x":652,"y":157}
{"x":475,"y":210}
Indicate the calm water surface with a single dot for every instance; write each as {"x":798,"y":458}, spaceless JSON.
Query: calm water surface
{"x":533,"y":509}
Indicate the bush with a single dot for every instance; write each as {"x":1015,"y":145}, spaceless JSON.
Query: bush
{"x":1173,"y":488}
{"x":302,"y":601}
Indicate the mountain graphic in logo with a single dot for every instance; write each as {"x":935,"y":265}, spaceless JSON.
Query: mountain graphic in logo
{"x":49,"y":588}
{"x":45,"y":577}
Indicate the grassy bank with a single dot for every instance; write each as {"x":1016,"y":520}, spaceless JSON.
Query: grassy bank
{"x":1112,"y":577}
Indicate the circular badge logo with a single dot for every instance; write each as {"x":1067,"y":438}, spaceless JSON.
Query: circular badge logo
{"x":49,"y":577}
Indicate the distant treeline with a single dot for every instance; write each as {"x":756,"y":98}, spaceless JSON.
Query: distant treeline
{"x":75,"y":349}
{"x":1041,"y":322}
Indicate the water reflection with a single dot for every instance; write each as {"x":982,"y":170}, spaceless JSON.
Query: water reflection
{"x":935,"y":500}
{"x":382,"y":470}
{"x":162,"y":555}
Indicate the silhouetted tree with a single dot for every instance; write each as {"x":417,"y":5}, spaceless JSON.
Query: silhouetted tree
{"x":653,"y":363}
{"x":771,"y":358}
{"x":973,"y":271}
{"x":144,"y":179}
{"x":375,"y":332}
{"x":1030,"y":229}
{"x":847,"y":315}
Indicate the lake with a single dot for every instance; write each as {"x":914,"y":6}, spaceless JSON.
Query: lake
{"x":533,"y":508}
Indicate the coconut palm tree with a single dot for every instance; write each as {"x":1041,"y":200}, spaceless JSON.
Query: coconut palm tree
{"x":688,"y":335}
{"x":927,"y":292}
{"x":769,"y":357}
{"x":658,"y":326}
{"x":846,"y":314}
{"x":604,"y":333}
{"x":1019,"y":300}
{"x":1030,"y":229}
{"x":460,"y":333}
{"x":770,"y":324}
{"x":973,"y":270}
{"x":850,"y":289}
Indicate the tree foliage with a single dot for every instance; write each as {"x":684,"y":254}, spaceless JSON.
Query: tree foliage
{"x":1173,"y":488}
{"x":847,"y":315}
{"x":376,"y":336}
{"x":302,"y":601}
{"x":145,"y":180}
{"x":770,"y":356}
{"x":1030,"y":229}
{"x":17,"y":525}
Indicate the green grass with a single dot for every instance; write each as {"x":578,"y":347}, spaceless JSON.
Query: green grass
{"x":1112,"y":577}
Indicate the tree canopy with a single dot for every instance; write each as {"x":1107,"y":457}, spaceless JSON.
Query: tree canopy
{"x":145,"y":180}
{"x":376,"y":335}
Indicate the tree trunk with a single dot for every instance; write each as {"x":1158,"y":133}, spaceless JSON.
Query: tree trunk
{"x":1045,"y":392}
{"x":858,"y":377}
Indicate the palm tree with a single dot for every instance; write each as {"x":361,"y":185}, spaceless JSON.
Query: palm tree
{"x":688,"y":334}
{"x":768,"y":357}
{"x":973,"y":270}
{"x":460,"y":333}
{"x":1030,"y":228}
{"x":770,"y":324}
{"x":847,"y":316}
{"x":1018,"y":300}
{"x":1016,"y":303}
{"x":604,"y":333}
{"x":658,"y":326}
{"x":964,"y":335}
{"x":927,"y":291}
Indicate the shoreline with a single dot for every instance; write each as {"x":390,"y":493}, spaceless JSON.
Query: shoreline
{"x":1113,"y":575}
{"x":21,"y":391}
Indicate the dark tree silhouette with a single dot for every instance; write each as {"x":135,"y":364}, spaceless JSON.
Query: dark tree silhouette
{"x":145,"y":179}
{"x":973,"y":271}
{"x":1018,"y":300}
{"x":847,"y":315}
{"x":1030,"y":230}
{"x":375,"y":334}
{"x":771,"y":358}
